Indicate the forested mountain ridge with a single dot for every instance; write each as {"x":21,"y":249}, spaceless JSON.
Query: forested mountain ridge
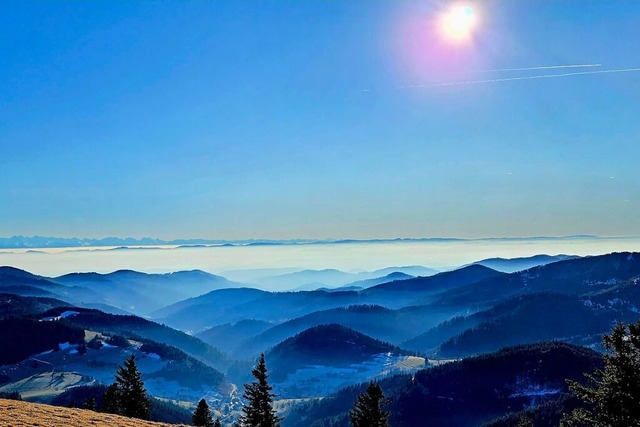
{"x":464,"y":393}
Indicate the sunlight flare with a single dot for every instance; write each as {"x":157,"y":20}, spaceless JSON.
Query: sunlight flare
{"x":458,"y":23}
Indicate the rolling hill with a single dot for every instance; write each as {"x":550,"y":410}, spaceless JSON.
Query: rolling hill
{"x":394,"y":326}
{"x":233,"y":305}
{"x":126,"y":290}
{"x":331,"y":345}
{"x":325,"y":358}
{"x":309,"y":280}
{"x":219,"y":307}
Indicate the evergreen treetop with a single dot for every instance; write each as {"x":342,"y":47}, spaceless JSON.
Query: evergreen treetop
{"x":367,"y":410}
{"x":202,"y":415}
{"x":612,"y":395}
{"x":259,"y":412}
{"x":127,"y":395}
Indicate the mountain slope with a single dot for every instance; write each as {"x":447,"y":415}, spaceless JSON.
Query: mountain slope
{"x":64,"y":361}
{"x":511,"y":265}
{"x":134,"y":327}
{"x":23,"y":337}
{"x":362,"y":318}
{"x":143,"y":293}
{"x":326,"y":358}
{"x":11,"y":276}
{"x":228,"y":336}
{"x":332,"y":345}
{"x":15,"y":305}
{"x":259,"y":305}
{"x":531,"y":318}
{"x":201,"y":310}
{"x":465,"y":393}
{"x":394,"y":326}
{"x":391,"y":277}
{"x":24,"y":414}
{"x":439,"y":282}
{"x":574,"y":277}
{"x":306,"y":280}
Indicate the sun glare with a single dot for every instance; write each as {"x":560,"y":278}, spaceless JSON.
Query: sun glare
{"x":458,"y":23}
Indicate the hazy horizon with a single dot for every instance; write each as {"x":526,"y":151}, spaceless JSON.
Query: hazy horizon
{"x":350,"y":257}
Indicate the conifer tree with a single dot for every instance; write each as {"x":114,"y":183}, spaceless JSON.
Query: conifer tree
{"x":612,"y":395}
{"x":127,"y":395}
{"x":367,"y":410}
{"x":259,"y":411}
{"x":134,"y":401}
{"x":111,"y":400}
{"x":202,"y":415}
{"x":217,"y":423}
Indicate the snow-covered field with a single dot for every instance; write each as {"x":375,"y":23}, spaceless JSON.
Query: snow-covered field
{"x":319,"y":380}
{"x":49,"y":374}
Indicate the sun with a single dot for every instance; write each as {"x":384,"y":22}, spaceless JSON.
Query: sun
{"x":458,"y":23}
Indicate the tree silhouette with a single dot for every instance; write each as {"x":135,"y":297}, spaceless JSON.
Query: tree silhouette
{"x":202,"y":415}
{"x":367,"y":410}
{"x":89,"y":404}
{"x":111,"y":400}
{"x":259,"y":411}
{"x":127,"y":395}
{"x":612,"y":395}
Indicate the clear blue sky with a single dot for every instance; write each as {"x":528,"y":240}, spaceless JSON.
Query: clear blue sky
{"x":317,"y":119}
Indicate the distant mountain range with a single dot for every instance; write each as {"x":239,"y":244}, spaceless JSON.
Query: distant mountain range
{"x":309,"y":280}
{"x":25,"y":242}
{"x":117,"y":292}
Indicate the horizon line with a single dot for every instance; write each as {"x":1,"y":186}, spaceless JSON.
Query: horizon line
{"x":22,"y":242}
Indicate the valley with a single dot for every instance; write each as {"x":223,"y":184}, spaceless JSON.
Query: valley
{"x":65,"y":336}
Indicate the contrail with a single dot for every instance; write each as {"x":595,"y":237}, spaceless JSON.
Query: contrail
{"x":543,"y":76}
{"x":545,"y":67}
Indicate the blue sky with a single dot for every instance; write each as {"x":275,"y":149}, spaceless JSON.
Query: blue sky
{"x":317,"y":119}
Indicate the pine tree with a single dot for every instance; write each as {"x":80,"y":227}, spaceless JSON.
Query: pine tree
{"x":217,"y":423}
{"x":111,"y":400}
{"x":259,"y":411}
{"x":134,"y":400}
{"x":612,"y":395}
{"x":367,"y":410}
{"x":202,"y":415}
{"x":127,"y":395}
